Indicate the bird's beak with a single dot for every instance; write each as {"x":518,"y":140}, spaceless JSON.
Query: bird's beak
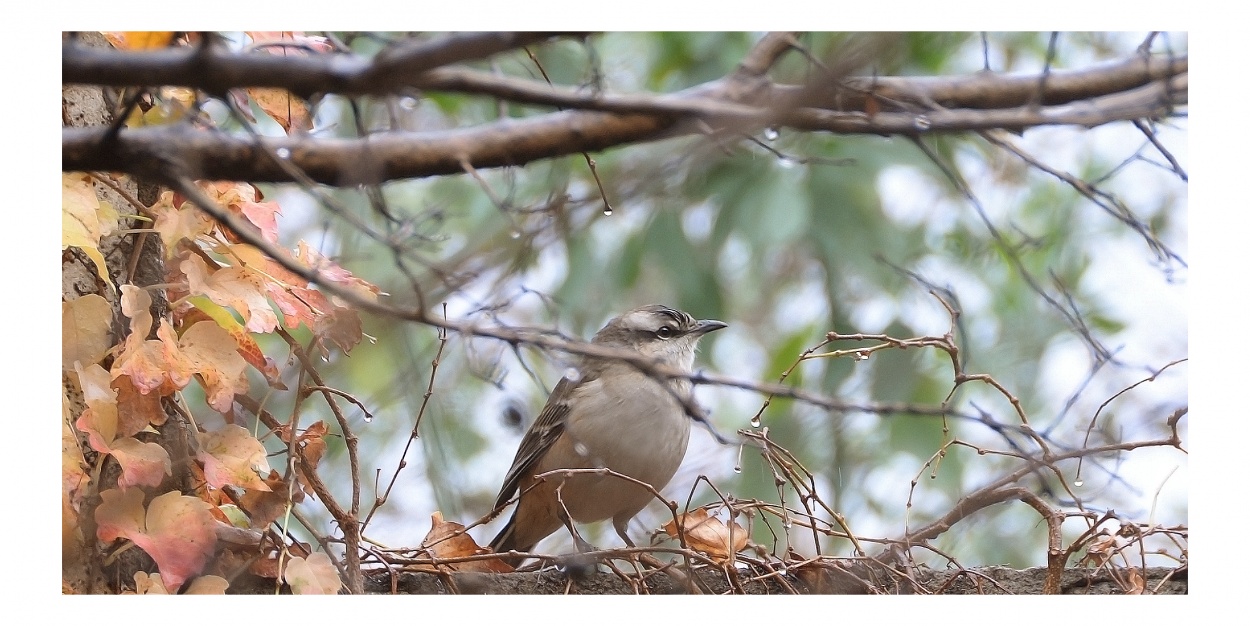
{"x":707,"y":326}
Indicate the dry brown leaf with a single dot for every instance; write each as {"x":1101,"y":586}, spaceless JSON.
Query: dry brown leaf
{"x":449,"y":540}
{"x":135,"y":407}
{"x":149,"y":584}
{"x":1136,"y":583}
{"x":74,"y":477}
{"x":709,"y":535}
{"x":289,"y":111}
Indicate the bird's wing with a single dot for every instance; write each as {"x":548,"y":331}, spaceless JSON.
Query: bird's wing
{"x":538,"y":439}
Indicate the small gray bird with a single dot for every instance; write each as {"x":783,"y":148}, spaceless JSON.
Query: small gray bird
{"x":610,"y":415}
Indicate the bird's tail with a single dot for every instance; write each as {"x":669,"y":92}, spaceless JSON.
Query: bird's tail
{"x":506,"y":540}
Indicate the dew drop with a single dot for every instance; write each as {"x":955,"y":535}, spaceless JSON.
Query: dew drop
{"x":922,"y":122}
{"x":1079,"y":483}
{"x":861,"y":356}
{"x":755,"y":422}
{"x":787,"y":524}
{"x":283,"y":153}
{"x":368,"y":419}
{"x":607,"y":210}
{"x":738,"y":469}
{"x":771,"y":134}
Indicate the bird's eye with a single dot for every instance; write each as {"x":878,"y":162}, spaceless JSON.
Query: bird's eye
{"x":664,"y":332}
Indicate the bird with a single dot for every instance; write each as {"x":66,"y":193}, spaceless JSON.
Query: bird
{"x":605,"y":413}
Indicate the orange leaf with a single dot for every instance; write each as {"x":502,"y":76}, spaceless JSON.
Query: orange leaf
{"x":134,"y":405}
{"x":139,"y":40}
{"x":448,"y":540}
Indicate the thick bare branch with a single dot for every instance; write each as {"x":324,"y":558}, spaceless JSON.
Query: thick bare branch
{"x":217,"y":70}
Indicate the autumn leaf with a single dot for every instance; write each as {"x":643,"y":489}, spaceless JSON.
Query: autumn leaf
{"x":86,"y":323}
{"x":143,"y":464}
{"x":207,"y":585}
{"x":236,"y":287}
{"x":289,"y":111}
{"x":214,"y":355}
{"x":314,"y":575}
{"x":248,"y":348}
{"x":264,"y":215}
{"x":139,"y":40}
{"x":449,"y":540}
{"x":232,"y":456}
{"x":177,"y":531}
{"x":99,"y":419}
{"x":74,"y":477}
{"x":709,"y":535}
{"x":84,"y":219}
{"x":266,"y":505}
{"x":149,"y":584}
{"x":154,"y":366}
{"x":143,"y":409}
{"x":175,"y":223}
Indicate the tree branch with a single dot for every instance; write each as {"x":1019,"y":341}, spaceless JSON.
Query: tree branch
{"x":217,"y":70}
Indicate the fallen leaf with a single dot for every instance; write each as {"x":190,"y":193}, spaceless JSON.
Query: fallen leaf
{"x":449,"y":540}
{"x":149,"y":584}
{"x":709,"y":535}
{"x":207,"y":585}
{"x":314,"y":575}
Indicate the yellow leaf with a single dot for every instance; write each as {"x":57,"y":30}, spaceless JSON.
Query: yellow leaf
{"x":135,"y":40}
{"x":85,"y":326}
{"x":84,"y":219}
